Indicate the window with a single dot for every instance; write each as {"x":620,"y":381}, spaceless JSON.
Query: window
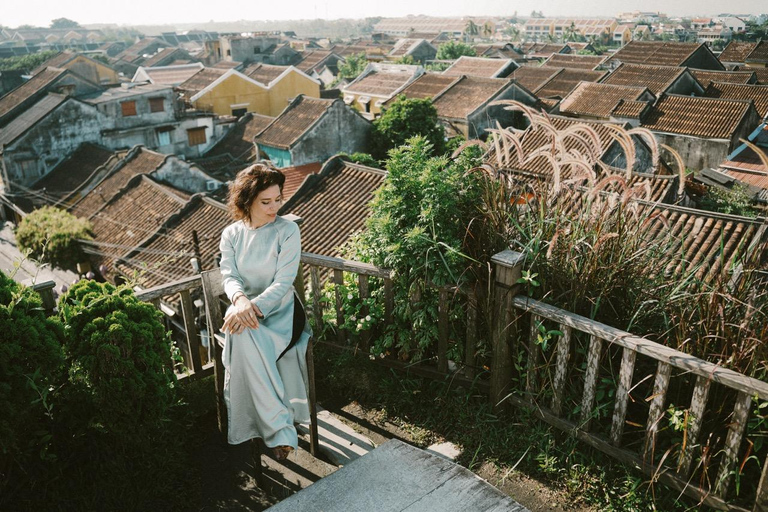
{"x":239,"y":112}
{"x":229,"y":53}
{"x":164,"y":136}
{"x":196,"y":136}
{"x":157,"y":104}
{"x":27,"y":169}
{"x":129,"y":108}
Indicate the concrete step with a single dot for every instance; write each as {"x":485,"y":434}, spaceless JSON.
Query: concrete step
{"x":338,"y":442}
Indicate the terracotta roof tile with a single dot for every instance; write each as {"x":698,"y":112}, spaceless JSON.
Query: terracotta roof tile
{"x":656,"y":78}
{"x":598,"y":100}
{"x":293,"y":122}
{"x":161,"y":55}
{"x":479,"y":66}
{"x":264,"y":73}
{"x":762,"y":75}
{"x":334,"y":204}
{"x":737,"y":51}
{"x":27,"y":90}
{"x":759,"y":54}
{"x":165,"y":256}
{"x":172,"y":75}
{"x":57,"y":61}
{"x":533,"y":77}
{"x":428,"y":85}
{"x":403,"y":46}
{"x":131,"y":216}
{"x":30,"y":117}
{"x":200,"y":81}
{"x":732,"y":77}
{"x":564,"y":82}
{"x":142,"y":162}
{"x":630,"y":109}
{"x":74,"y":171}
{"x":467,"y":95}
{"x":545,"y":50}
{"x":238,"y":142}
{"x":295,"y":177}
{"x":380,"y":83}
{"x":657,"y":53}
{"x":757,"y":93}
{"x":700,"y":117}
{"x":566,"y":60}
{"x":312,"y":60}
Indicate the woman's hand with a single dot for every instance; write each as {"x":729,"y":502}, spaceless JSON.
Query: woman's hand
{"x":244,"y":314}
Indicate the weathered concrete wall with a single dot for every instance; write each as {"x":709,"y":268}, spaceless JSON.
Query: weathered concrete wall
{"x":686,"y":86}
{"x":704,"y":59}
{"x":180,"y":174}
{"x":697,"y":153}
{"x":487,"y":117}
{"x":424,"y":52}
{"x":36,"y":152}
{"x":615,"y":157}
{"x":340,"y":130}
{"x":144,"y":116}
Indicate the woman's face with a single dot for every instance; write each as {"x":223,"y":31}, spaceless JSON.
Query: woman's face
{"x":264,"y":207}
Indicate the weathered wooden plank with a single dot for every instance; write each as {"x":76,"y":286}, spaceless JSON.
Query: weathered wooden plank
{"x":626,"y":372}
{"x":212,"y":287}
{"x":442,"y":331}
{"x":695,"y":418}
{"x":362,"y":285}
{"x":471,"y":341}
{"x":389,"y":300}
{"x":761,"y":499}
{"x":344,"y":265}
{"x":561,"y":368}
{"x":163,"y":290}
{"x":648,"y":348}
{"x":531,"y":377}
{"x":736,"y":429}
{"x":314,"y":448}
{"x":190,"y":329}
{"x":656,"y":411}
{"x":338,"y":279}
{"x":317,"y":308}
{"x":590,"y":381}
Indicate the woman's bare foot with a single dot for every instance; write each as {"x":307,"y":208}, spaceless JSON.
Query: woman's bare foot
{"x":282,"y":452}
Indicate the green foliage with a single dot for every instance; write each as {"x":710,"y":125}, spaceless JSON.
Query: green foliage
{"x":352,"y":66}
{"x":453,"y":50}
{"x":406,"y":59}
{"x":25,"y":63}
{"x":360,"y":158}
{"x":735,"y":201}
{"x":406,"y":118}
{"x":51,"y":235}
{"x":119,"y":355}
{"x":30,"y":364}
{"x":437,"y":67}
{"x":64,"y":23}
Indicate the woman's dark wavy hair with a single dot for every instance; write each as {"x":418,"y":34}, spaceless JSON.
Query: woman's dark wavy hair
{"x":247,"y":185}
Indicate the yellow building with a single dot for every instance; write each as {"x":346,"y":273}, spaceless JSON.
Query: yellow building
{"x":84,"y":66}
{"x":260,"y":88}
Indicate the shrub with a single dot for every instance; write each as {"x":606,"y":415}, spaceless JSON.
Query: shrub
{"x":404,"y":119}
{"x":30,"y":364}
{"x":51,"y":235}
{"x":453,"y":50}
{"x":119,"y":355}
{"x":734,"y":201}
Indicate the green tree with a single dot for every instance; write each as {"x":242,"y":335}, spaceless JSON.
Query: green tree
{"x":471,"y":30}
{"x":488,"y":29}
{"x":352,"y":66}
{"x":406,"y":59}
{"x":64,"y":23}
{"x":406,"y":118}
{"x":52,"y":235}
{"x":453,"y":50}
{"x":31,"y":361}
{"x":119,"y":354}
{"x":360,"y":158}
{"x":25,"y":62}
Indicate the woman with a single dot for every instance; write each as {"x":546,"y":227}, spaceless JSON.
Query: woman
{"x":264,"y":356}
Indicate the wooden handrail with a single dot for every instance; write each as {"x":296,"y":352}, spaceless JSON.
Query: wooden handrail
{"x":647,"y":347}
{"x":163,"y":290}
{"x":356,"y":267}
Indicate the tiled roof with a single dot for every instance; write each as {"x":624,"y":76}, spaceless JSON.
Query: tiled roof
{"x":138,"y":49}
{"x":57,"y":61}
{"x":760,"y":53}
{"x":380,"y":83}
{"x":142,"y":161}
{"x":30,"y":118}
{"x":172,"y":75}
{"x":467,"y":95}
{"x":545,"y":49}
{"x":656,"y":78}
{"x":295,"y":176}
{"x":238,"y":142}
{"x":762,"y":75}
{"x":165,"y":256}
{"x":630,"y":109}
{"x":566,"y":60}
{"x":293,"y":122}
{"x":561,"y":84}
{"x":657,"y":53}
{"x":428,"y":85}
{"x":312,"y":60}
{"x":334,"y":204}
{"x":264,"y":73}
{"x":131,"y":216}
{"x":700,"y":117}
{"x":757,"y":93}
{"x":403,"y":46}
{"x":25,"y":91}
{"x":478,"y":66}
{"x":731,"y":77}
{"x":533,"y":77}
{"x":116,"y":93}
{"x":73,"y":171}
{"x":200,"y":81}
{"x":225,"y":65}
{"x":598,"y":100}
{"x":737,"y":51}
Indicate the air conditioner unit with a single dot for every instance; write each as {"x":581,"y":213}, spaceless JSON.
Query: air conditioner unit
{"x":211,"y":185}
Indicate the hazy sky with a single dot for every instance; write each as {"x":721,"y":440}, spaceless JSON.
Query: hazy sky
{"x":146,"y":12}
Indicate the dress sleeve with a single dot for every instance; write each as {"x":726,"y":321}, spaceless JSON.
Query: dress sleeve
{"x":230,"y":277}
{"x":288,"y":260}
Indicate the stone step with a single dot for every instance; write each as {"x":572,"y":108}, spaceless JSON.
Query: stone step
{"x":338,"y":442}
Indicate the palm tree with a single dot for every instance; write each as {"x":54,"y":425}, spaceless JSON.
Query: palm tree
{"x":488,"y":29}
{"x":471,"y":29}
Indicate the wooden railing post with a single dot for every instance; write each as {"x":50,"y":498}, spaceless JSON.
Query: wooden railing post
{"x":45,"y":290}
{"x":508,"y":266}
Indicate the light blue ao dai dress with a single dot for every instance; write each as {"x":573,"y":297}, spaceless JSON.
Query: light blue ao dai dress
{"x":264,"y":396}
